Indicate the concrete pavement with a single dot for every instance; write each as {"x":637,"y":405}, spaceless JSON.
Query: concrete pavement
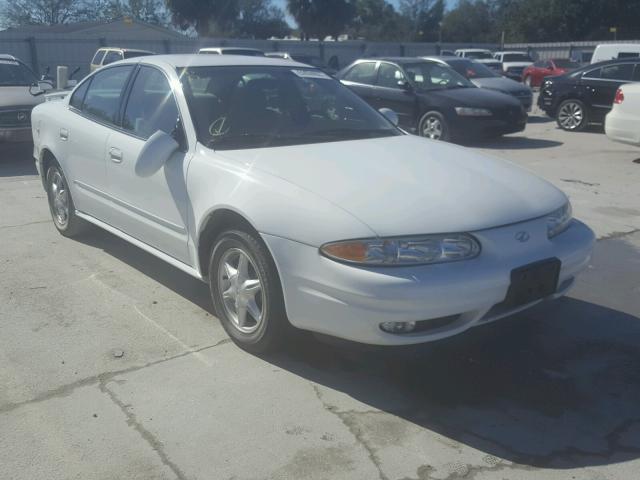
{"x":113,"y":367}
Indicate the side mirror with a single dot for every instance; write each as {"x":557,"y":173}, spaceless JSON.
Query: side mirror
{"x":403,"y":84}
{"x":156,"y":151}
{"x":390,"y":115}
{"x":40,"y":88}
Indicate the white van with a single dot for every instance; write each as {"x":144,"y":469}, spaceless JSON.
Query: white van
{"x":614,"y":51}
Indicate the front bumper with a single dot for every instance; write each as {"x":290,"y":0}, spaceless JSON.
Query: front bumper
{"x":350,"y":302}
{"x":619,"y":127}
{"x":15,"y":134}
{"x":483,"y":127}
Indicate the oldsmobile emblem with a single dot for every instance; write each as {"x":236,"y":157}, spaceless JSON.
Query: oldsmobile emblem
{"x":523,"y":236}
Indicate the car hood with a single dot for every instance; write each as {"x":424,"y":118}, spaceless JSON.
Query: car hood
{"x":408,"y":185}
{"x":474,"y":97}
{"x":502,"y":84}
{"x":14,"y":96}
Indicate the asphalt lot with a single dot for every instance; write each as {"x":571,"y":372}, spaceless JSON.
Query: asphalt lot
{"x":113,"y":367}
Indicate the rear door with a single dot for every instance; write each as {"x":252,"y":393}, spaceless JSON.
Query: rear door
{"x":601,"y":86}
{"x":94,"y":109}
{"x":152,"y":209}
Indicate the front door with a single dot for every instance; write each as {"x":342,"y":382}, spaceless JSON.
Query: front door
{"x":151,"y":208}
{"x":394,"y":91}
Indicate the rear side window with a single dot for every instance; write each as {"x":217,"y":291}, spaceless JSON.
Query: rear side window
{"x":151,"y":105}
{"x":362,"y":73}
{"x":629,"y":55}
{"x":595,"y":73}
{"x":623,"y":71}
{"x":97,"y":58}
{"x":78,"y":96}
{"x":112,"y":56}
{"x":102,"y":100}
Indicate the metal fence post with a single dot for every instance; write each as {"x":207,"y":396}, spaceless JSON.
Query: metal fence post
{"x":167,"y":45}
{"x":33,"y":52}
{"x":321,"y":50}
{"x":402,"y":50}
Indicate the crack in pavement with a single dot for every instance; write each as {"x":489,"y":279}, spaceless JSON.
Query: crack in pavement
{"x":2,"y":227}
{"x":354,"y":430}
{"x":616,"y":235}
{"x":156,"y":445}
{"x":68,"y":389}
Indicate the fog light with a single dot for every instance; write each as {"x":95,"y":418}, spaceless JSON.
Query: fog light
{"x":398,"y":327}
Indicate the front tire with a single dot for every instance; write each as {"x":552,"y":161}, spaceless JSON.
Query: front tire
{"x":572,"y":116}
{"x":61,"y":206}
{"x":246,"y":292}
{"x":432,"y":125}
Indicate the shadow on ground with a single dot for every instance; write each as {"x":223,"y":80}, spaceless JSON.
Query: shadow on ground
{"x":514,"y":143}
{"x":556,"y":387}
{"x":16,"y":159}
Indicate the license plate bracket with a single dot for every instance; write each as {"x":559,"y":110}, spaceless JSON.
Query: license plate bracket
{"x":533,"y":282}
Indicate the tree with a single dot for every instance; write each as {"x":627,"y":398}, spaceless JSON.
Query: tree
{"x":423,"y":18}
{"x":470,"y":21}
{"x":41,"y":12}
{"x":205,"y":16}
{"x":321,"y":18}
{"x":376,"y":20}
{"x":260,"y":19}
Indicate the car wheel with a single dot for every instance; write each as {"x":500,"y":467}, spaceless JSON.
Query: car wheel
{"x":246,"y":292}
{"x":433,"y":125}
{"x":63,"y":211}
{"x":572,"y":116}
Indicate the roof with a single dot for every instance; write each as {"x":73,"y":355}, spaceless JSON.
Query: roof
{"x":503,"y":52}
{"x":472,"y":50}
{"x":395,"y":59}
{"x":6,"y":56}
{"x":222,"y":49}
{"x":127,"y":50}
{"x":195,"y":60}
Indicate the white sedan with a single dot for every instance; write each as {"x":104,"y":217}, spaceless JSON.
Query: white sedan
{"x":623,"y":122}
{"x":299,"y":204}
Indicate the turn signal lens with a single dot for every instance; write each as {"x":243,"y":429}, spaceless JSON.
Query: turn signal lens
{"x":559,"y":220}
{"x":421,"y":250}
{"x":619,"y":97}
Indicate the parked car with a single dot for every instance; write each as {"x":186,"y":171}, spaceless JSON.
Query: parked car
{"x":20,"y":91}
{"x":312,"y":60}
{"x":534,"y":74}
{"x":433,"y":100}
{"x":615,"y":51}
{"x":247,"y":52}
{"x":622,"y":124}
{"x":479,"y":55}
{"x":586,"y":95}
{"x":299,"y":204}
{"x":107,"y":55}
{"x":513,"y":63}
{"x":484,"y":77}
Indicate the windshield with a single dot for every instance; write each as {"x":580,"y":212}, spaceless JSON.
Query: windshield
{"x":133,"y":54}
{"x":242,"y":51}
{"x":516,"y":57}
{"x":479,"y":55}
{"x":472,"y":70}
{"x":250,"y":107}
{"x":565,"y":63}
{"x":434,"y":76}
{"x":15,"y":74}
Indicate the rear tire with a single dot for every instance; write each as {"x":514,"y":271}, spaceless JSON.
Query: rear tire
{"x":432,"y":125}
{"x":61,"y":206}
{"x":246,"y":292}
{"x":572,"y":116}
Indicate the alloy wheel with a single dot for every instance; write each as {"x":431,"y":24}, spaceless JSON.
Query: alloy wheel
{"x":432,"y":128}
{"x":570,"y":116}
{"x":59,"y":199}
{"x":240,"y":285}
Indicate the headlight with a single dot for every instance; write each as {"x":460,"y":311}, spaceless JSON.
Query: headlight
{"x":473,"y":112}
{"x":419,"y":250}
{"x":558,"y":221}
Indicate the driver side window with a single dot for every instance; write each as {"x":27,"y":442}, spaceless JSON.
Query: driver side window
{"x":390,"y":76}
{"x":151,"y":105}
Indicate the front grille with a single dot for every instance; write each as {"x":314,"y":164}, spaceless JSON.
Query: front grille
{"x":15,"y":117}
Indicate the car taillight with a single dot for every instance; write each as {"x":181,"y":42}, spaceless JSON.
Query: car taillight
{"x":619,"y":97}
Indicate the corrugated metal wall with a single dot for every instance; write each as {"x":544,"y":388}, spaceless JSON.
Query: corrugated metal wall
{"x":77,"y":51}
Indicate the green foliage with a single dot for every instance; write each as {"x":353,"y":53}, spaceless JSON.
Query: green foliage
{"x":470,"y":21}
{"x":377,"y":19}
{"x":207,"y":17}
{"x":322,"y":18}
{"x":423,"y":18}
{"x":260,"y":19}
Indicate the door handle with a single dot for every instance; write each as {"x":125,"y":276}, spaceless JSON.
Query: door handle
{"x":115,"y":154}
{"x":64,"y":134}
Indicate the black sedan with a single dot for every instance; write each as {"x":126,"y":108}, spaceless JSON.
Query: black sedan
{"x":484,"y":77}
{"x":586,"y":95}
{"x":432,"y":99}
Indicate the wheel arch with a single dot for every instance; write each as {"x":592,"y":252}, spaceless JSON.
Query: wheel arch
{"x":47,"y":158}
